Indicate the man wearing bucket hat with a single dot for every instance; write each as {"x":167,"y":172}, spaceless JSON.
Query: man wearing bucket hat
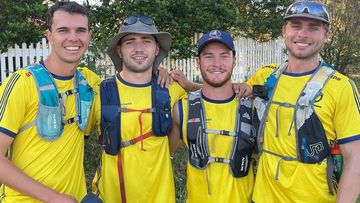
{"x":305,"y":107}
{"x":136,"y":118}
{"x":214,"y":127}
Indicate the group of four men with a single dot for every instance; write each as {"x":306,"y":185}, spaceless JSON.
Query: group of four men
{"x":301,"y":106}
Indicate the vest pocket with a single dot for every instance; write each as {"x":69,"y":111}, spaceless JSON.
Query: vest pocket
{"x":165,"y":120}
{"x":162,"y":115}
{"x":49,"y":122}
{"x":109,"y":129}
{"x":240,"y":164}
{"x":84,"y":114}
{"x":312,"y":143}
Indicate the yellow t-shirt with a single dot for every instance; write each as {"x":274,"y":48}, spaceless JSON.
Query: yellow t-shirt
{"x":220,"y":185}
{"x":57,"y":164}
{"x":147,"y":173}
{"x":339,"y":112}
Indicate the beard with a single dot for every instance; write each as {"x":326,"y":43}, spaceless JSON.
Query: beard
{"x":135,"y":67}
{"x":216,"y":83}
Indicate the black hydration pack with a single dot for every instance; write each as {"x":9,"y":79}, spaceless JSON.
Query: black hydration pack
{"x":244,"y":137}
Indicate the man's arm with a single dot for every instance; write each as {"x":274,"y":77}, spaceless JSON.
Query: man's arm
{"x":14,"y":178}
{"x":174,"y":137}
{"x":164,"y":78}
{"x":189,"y":86}
{"x":349,"y":186}
{"x":242,"y":90}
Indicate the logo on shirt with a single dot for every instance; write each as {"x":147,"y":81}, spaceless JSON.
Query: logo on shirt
{"x":126,"y":104}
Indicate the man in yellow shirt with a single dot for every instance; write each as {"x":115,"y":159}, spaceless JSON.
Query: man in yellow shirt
{"x":46,"y":109}
{"x":305,"y":105}
{"x":216,"y":128}
{"x":136,"y":118}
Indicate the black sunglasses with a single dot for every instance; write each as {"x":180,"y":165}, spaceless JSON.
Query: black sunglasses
{"x":312,"y":8}
{"x":135,"y":18}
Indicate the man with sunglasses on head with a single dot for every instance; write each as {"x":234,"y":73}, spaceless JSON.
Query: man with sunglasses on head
{"x":136,"y":118}
{"x":305,"y":106}
{"x":46,"y":109}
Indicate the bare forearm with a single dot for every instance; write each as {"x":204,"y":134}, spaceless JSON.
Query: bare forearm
{"x":192,"y":86}
{"x":349,"y":186}
{"x":14,"y":178}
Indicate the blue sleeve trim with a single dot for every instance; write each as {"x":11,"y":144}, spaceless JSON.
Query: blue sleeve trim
{"x":8,"y":132}
{"x":181,"y":117}
{"x":349,"y":139}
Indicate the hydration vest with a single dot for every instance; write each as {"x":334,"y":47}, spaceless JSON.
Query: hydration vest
{"x":51,"y":109}
{"x":111,"y":114}
{"x":243,"y":136}
{"x":311,"y":141}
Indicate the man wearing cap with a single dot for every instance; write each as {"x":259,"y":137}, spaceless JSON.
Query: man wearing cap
{"x":136,"y":118}
{"x":305,"y":106}
{"x":214,"y":126}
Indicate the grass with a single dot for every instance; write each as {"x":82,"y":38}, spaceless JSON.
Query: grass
{"x":179,"y":161}
{"x":92,"y":158}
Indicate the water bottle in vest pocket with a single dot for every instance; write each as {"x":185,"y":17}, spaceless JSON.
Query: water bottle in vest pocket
{"x":49,"y":122}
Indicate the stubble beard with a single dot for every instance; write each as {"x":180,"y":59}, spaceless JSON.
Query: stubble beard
{"x":218,"y":83}
{"x":139,"y":68}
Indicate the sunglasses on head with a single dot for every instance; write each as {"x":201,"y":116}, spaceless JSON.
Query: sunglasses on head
{"x":135,"y":18}
{"x":311,"y":8}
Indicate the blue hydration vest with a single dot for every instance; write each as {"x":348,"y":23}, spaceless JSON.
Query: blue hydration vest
{"x":51,"y":109}
{"x":111,"y":113}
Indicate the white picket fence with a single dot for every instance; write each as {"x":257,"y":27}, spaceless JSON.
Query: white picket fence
{"x":250,"y":55}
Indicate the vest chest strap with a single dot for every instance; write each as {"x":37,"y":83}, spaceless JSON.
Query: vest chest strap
{"x":136,"y":139}
{"x":219,"y":160}
{"x":71,"y":120}
{"x":148,"y":110}
{"x":220,"y":132}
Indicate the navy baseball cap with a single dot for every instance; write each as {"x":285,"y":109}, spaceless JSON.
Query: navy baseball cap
{"x":215,"y":36}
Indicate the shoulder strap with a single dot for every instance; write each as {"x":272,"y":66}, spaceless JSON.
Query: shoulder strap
{"x":195,"y":131}
{"x":314,"y":86}
{"x":48,"y":92}
{"x":161,"y":116}
{"x":312,"y":145}
{"x":271,"y":83}
{"x":110,"y":116}
{"x":48,"y":97}
{"x":84,"y":99}
{"x":244,"y":143}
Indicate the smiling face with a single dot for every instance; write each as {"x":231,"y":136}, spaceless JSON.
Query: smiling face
{"x":138,"y":52}
{"x":216,"y":63}
{"x":69,"y":36}
{"x":304,"y":38}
